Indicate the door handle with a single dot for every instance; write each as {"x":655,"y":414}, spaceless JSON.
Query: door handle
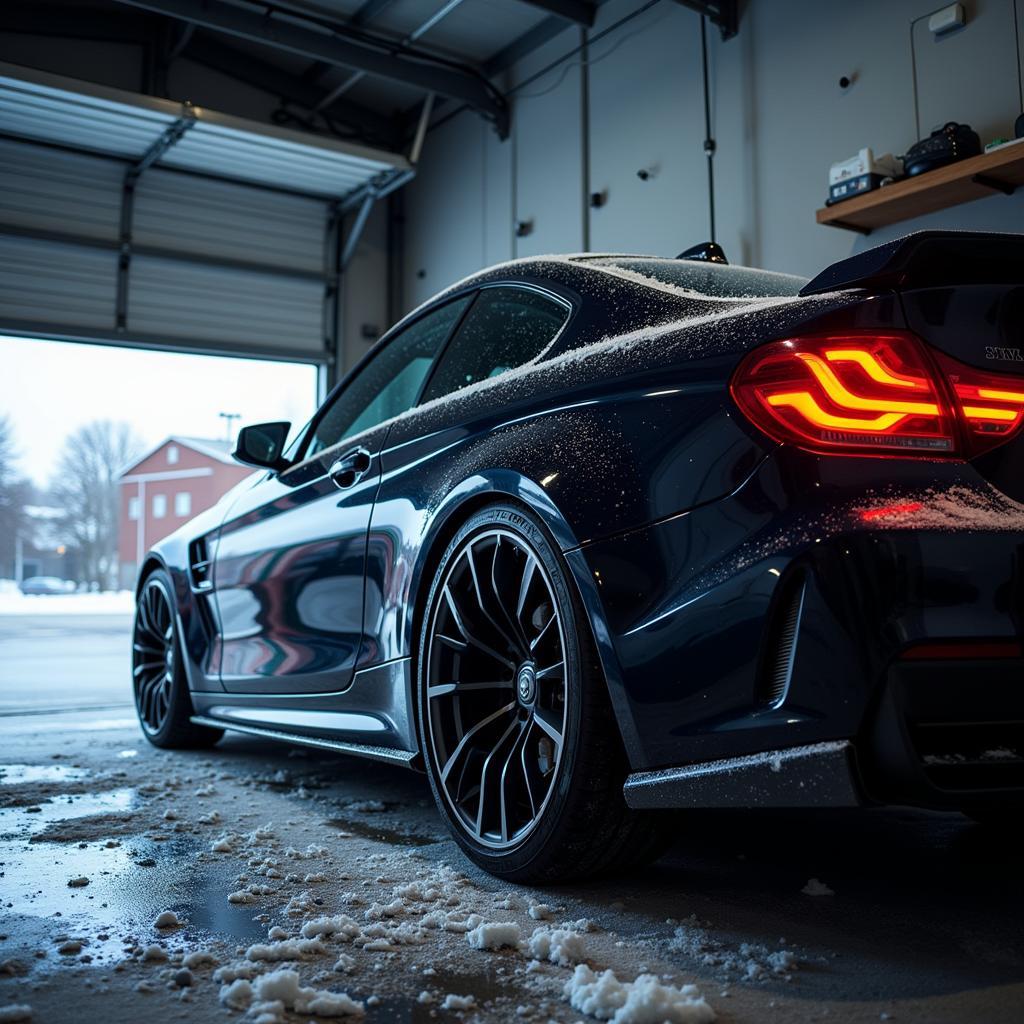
{"x":348,"y":470}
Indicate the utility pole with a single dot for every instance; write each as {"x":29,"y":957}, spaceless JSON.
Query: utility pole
{"x":229,"y":418}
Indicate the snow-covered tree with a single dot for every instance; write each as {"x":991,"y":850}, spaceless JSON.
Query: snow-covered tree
{"x":85,"y":487}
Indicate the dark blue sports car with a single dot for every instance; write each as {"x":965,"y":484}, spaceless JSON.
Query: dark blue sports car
{"x":592,"y":537}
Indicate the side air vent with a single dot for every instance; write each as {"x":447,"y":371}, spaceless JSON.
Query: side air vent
{"x":780,"y":644}
{"x":199,"y":566}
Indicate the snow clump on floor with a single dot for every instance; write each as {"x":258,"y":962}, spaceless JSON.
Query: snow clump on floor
{"x":286,"y":949}
{"x":557,"y":945}
{"x":816,"y":888}
{"x":643,"y":1001}
{"x":489,"y":935}
{"x":267,"y":998}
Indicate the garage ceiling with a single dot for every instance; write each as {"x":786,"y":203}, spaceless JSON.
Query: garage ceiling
{"x":183,"y":227}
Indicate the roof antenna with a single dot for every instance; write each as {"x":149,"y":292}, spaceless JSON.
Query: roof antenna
{"x":709,"y":142}
{"x":706,"y":252}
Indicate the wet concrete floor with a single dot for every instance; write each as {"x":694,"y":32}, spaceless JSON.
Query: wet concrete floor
{"x":100,"y":834}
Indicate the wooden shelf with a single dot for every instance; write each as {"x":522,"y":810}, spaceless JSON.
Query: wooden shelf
{"x":989,"y":174}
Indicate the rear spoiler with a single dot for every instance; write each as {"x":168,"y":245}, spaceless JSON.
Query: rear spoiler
{"x":928,"y":259}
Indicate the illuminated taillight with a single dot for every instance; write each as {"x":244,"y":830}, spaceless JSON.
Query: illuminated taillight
{"x":990,"y":405}
{"x":848,"y":394}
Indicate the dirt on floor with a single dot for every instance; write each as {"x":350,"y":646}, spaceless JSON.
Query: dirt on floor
{"x":262,"y":883}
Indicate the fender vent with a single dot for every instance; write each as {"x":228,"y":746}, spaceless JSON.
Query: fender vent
{"x":199,"y":566}
{"x":780,"y":645}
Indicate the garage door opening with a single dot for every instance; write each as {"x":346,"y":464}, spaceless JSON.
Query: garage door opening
{"x":104,"y":450}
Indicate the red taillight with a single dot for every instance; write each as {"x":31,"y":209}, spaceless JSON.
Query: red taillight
{"x":990,"y":405}
{"x":873,"y":394}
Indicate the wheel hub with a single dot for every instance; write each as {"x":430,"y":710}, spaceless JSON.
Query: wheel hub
{"x":526,"y":684}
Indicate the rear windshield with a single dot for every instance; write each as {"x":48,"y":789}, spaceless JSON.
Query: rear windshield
{"x":694,"y":276}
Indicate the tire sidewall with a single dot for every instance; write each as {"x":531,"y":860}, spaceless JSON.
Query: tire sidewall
{"x":180,"y":706}
{"x":545,"y":835}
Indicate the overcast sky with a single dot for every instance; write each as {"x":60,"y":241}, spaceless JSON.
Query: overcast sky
{"x":48,"y":388}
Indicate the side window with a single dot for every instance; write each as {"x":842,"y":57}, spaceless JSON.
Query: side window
{"x":505,"y":328}
{"x":390,"y":382}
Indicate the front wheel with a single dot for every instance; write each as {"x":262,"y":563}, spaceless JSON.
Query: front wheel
{"x":159,"y":683}
{"x":521,"y":748}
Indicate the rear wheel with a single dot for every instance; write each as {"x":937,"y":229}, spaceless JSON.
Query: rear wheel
{"x":521,"y":747}
{"x":159,"y":683}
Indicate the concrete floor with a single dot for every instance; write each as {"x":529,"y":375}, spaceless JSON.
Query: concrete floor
{"x":924,"y":924}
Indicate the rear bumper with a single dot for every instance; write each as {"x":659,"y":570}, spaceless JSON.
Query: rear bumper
{"x":944,"y":733}
{"x":947,"y":733}
{"x":780,"y":617}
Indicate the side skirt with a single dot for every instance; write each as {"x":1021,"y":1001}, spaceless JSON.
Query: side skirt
{"x":402,"y":757}
{"x":818,"y":775}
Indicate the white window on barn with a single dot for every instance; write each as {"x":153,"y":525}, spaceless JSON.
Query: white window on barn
{"x":159,"y":506}
{"x":133,"y":507}
{"x":172,"y":455}
{"x":183,"y":503}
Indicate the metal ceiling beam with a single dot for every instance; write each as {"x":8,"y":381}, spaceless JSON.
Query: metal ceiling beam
{"x":723,"y":13}
{"x":417,"y":33}
{"x":375,"y":58}
{"x":211,"y":52}
{"x":579,"y":12}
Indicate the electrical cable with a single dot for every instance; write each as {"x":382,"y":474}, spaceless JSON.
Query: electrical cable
{"x":709,"y":142}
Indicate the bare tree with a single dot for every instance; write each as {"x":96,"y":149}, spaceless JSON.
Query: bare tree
{"x":85,"y":487}
{"x":14,"y":495}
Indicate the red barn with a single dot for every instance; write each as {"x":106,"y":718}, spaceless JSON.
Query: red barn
{"x":171,"y":483}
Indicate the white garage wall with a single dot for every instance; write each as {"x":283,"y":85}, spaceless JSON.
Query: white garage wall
{"x":780,"y":119}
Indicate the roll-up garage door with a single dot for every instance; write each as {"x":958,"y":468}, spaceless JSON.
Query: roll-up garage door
{"x":224,"y":246}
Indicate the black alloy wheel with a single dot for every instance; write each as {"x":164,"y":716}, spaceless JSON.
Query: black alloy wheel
{"x":496,"y":700}
{"x":159,"y":681}
{"x":153,"y":654}
{"x":519,"y":741}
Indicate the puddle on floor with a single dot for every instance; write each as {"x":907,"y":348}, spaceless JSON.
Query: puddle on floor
{"x":131,"y":879}
{"x":16,"y":774}
{"x":381,"y":833}
{"x":20,"y":823}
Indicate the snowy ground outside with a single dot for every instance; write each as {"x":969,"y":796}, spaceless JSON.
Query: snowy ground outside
{"x":14,"y":602}
{"x":263,"y":883}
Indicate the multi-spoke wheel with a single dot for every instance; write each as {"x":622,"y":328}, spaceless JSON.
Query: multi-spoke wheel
{"x":158,"y":677}
{"x":153,"y":655}
{"x":521,"y":749}
{"x":496,"y":695}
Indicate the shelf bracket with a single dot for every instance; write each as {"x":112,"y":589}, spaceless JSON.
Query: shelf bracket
{"x":994,"y":183}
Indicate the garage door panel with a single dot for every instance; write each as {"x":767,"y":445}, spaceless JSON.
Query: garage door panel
{"x":184,"y":301}
{"x":54,"y":283}
{"x":205,"y":217}
{"x":51,"y":190}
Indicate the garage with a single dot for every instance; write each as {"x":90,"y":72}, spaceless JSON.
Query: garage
{"x":511,"y":510}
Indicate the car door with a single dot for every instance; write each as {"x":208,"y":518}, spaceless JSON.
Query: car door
{"x":507,"y":326}
{"x":289,"y":567}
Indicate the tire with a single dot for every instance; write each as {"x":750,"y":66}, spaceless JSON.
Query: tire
{"x":159,"y":682}
{"x":554,"y":809}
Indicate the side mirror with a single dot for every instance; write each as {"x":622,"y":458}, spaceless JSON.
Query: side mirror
{"x":262,"y":445}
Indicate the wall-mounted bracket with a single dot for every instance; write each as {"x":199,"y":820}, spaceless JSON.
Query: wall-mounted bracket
{"x":723,"y":13}
{"x":1007,"y":188}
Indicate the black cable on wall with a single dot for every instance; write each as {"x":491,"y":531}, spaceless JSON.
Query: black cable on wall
{"x":709,"y":142}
